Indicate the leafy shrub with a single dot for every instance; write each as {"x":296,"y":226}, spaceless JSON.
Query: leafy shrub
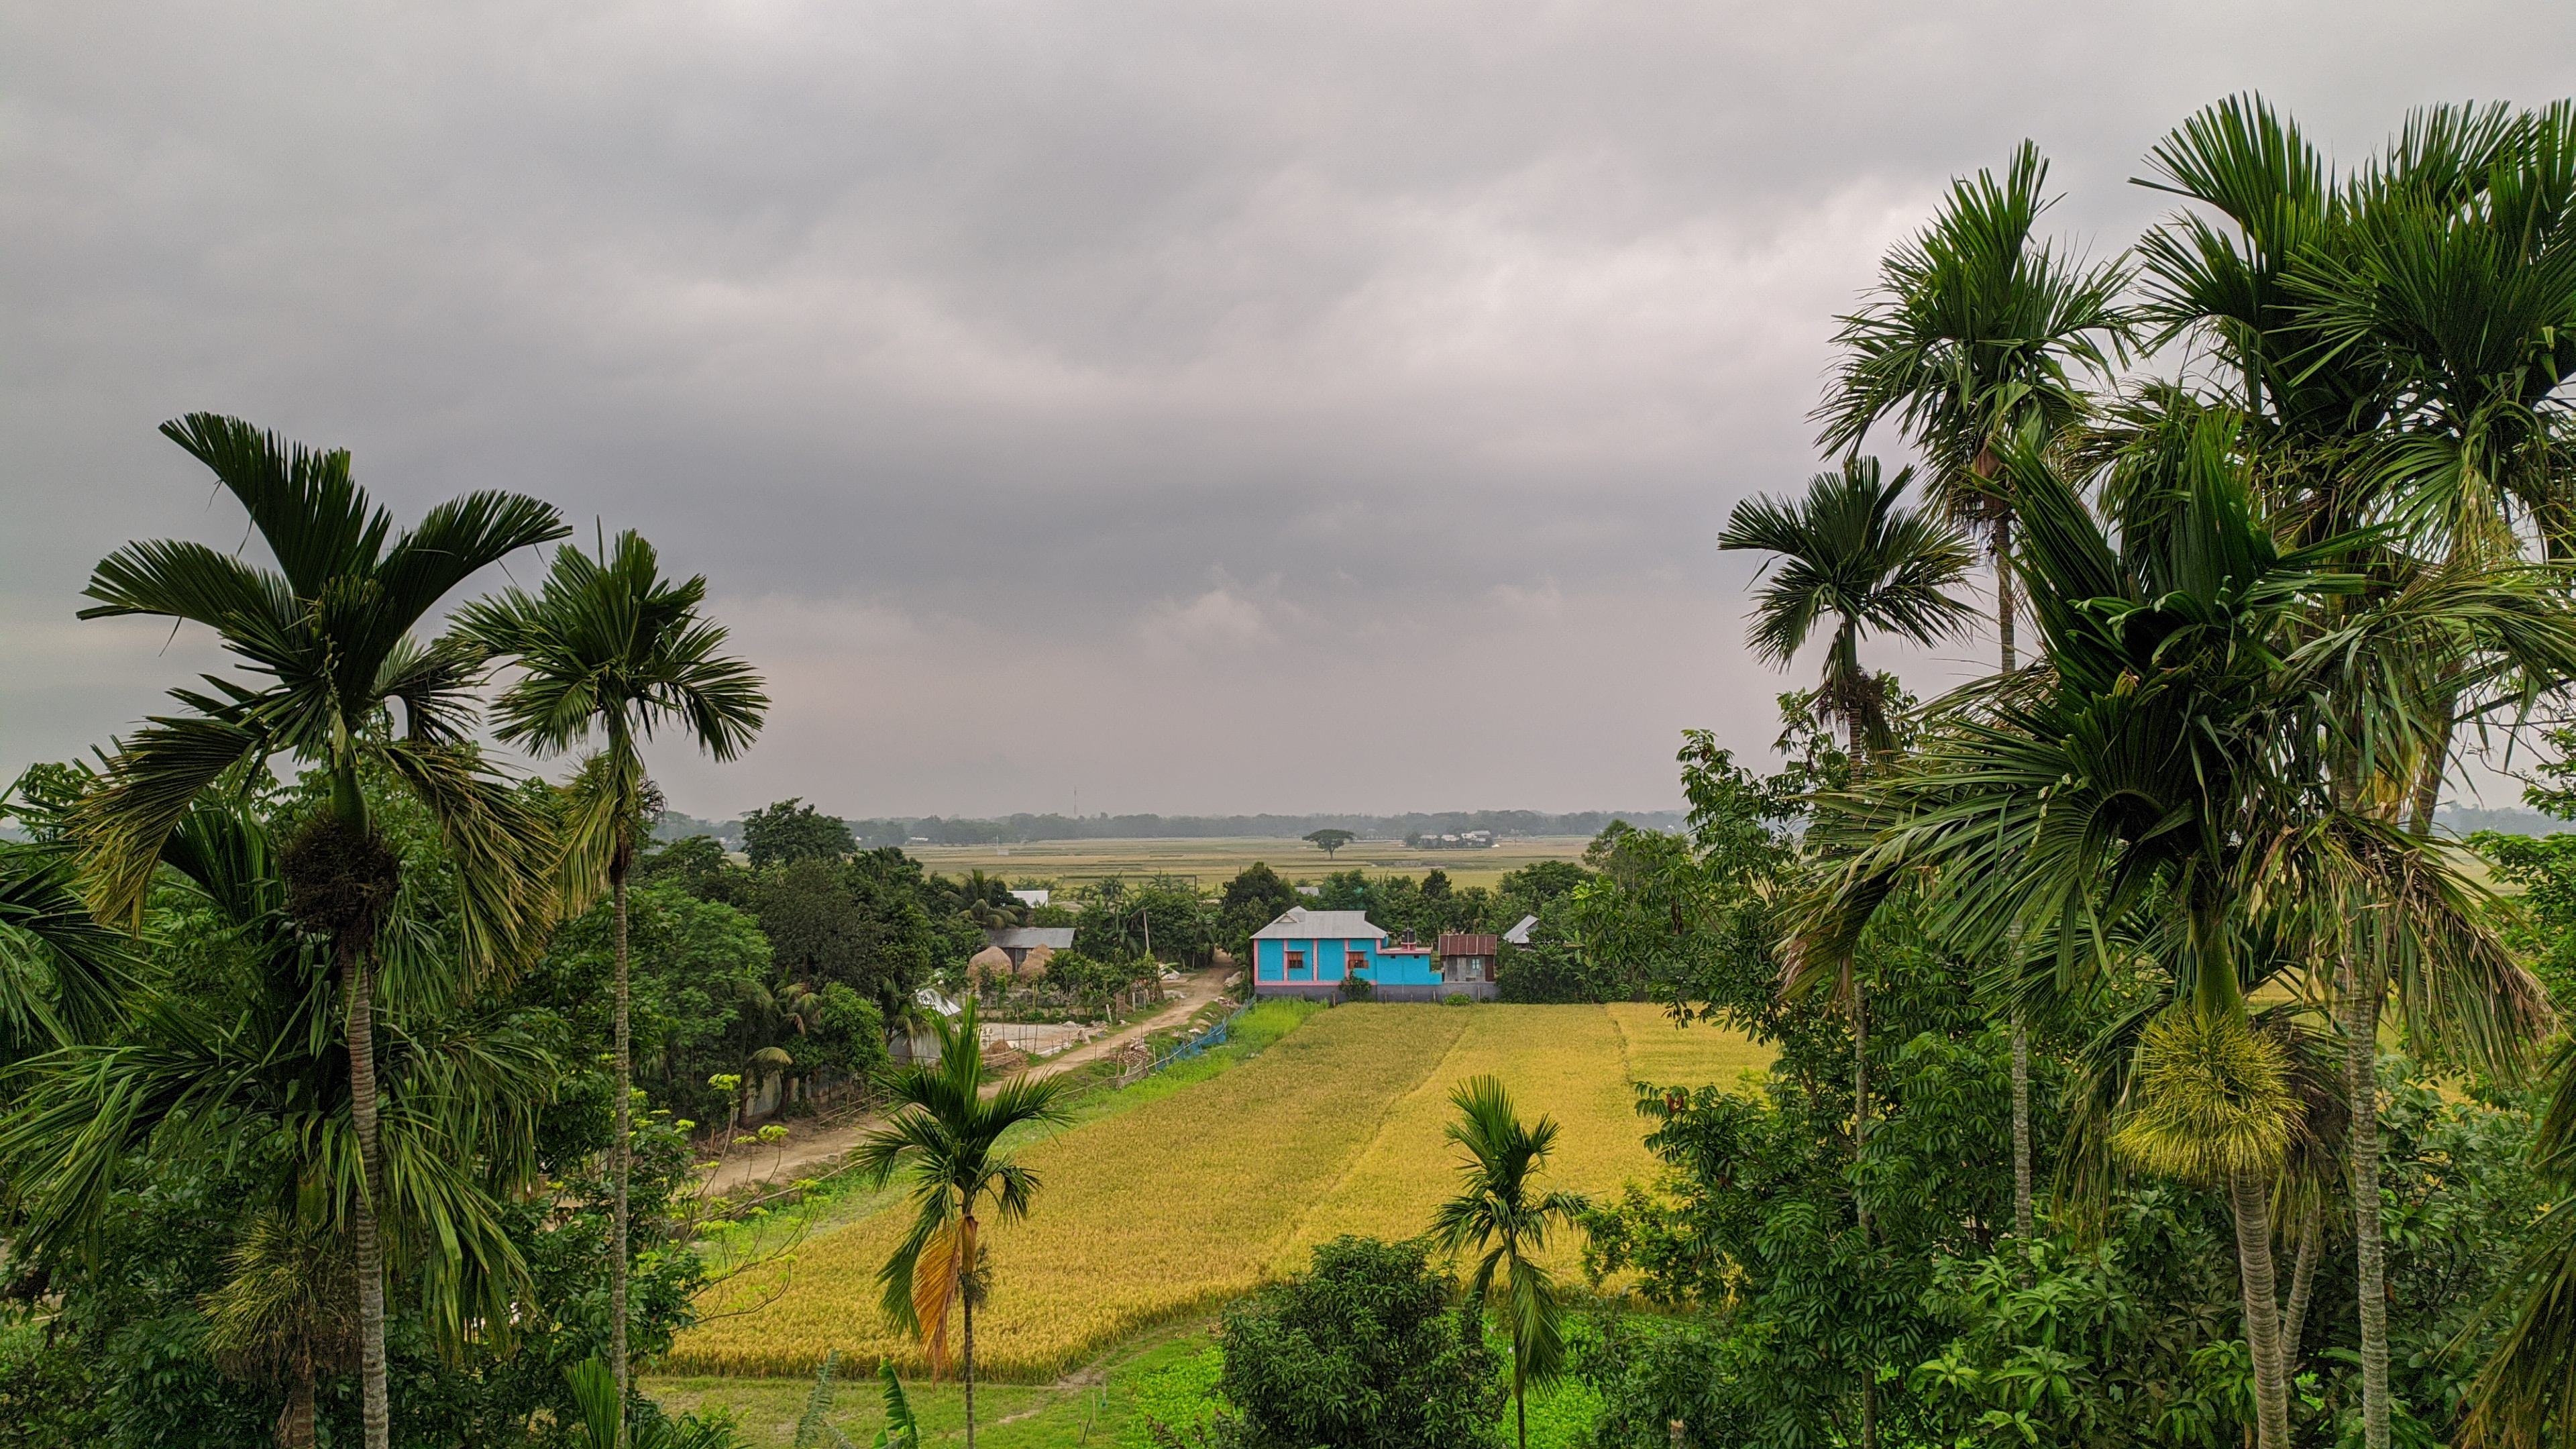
{"x":1457,"y":998}
{"x":1363,"y":1350}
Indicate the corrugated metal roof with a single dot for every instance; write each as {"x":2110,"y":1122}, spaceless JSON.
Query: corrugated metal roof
{"x":1453,"y":943}
{"x":1519,"y":935}
{"x":1301,"y":924}
{"x":1054,"y":938}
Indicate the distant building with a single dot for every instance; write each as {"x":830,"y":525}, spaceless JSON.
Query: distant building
{"x":1018,"y":941}
{"x":1467,"y":960}
{"x":1314,"y":953}
{"x":1032,"y":898}
{"x":1310,"y":890}
{"x":1519,"y":935}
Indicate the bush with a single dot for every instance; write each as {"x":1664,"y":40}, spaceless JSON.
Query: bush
{"x":1357,"y":988}
{"x":1457,"y":998}
{"x":1363,"y":1350}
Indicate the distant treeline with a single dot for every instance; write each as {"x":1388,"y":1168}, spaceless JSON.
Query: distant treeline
{"x":1014,"y":829}
{"x":2463,"y":821}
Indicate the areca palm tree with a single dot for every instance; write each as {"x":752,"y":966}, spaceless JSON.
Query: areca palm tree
{"x":1500,"y":1214}
{"x":2172,"y":759}
{"x":1978,"y":334}
{"x":2398,"y":343}
{"x":326,"y":635}
{"x":258,"y":1056}
{"x":609,"y":646}
{"x":1851,"y":552}
{"x":945,"y":1133}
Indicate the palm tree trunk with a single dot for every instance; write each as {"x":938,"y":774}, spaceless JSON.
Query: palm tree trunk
{"x":2370,"y":1262}
{"x":295,"y":1422}
{"x":622,"y":1157}
{"x":2251,"y":1197}
{"x":1520,"y":1397}
{"x":1860,"y":1203}
{"x":375,"y":1411}
{"x":966,"y":1292}
{"x":2022,"y":1217}
{"x":2294,"y":1318}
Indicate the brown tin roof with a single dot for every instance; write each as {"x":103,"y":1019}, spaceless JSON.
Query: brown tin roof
{"x":1456,"y":944}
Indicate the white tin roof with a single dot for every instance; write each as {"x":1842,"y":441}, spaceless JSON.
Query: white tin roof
{"x":1519,"y":935}
{"x":1301,"y":924}
{"x":1054,"y":938}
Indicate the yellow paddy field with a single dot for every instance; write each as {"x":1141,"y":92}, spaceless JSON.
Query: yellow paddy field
{"x":1202,"y":1195}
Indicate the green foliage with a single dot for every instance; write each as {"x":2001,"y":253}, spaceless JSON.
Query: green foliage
{"x":1329,"y":839}
{"x":790,"y":831}
{"x":852,"y":1034}
{"x":1362,"y":1351}
{"x":704,"y":983}
{"x":1117,"y":918}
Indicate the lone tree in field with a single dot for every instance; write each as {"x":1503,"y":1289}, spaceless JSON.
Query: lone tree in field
{"x":945,"y":1134}
{"x":1329,"y":841}
{"x":1499,"y":1213}
{"x":609,"y":645}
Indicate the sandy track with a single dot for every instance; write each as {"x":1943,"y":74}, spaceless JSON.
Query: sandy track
{"x":810,"y":1149}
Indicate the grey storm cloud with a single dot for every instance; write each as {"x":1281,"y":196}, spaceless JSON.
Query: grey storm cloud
{"x":1182,"y":407}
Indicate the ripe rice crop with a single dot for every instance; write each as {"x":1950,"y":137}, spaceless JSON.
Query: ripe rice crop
{"x":1174,"y":1205}
{"x":1561,"y":1062}
{"x":1661,"y":1054}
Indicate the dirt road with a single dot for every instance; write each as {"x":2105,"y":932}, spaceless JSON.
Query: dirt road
{"x":809,"y":1150}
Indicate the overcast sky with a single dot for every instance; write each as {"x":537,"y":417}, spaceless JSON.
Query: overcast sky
{"x":1179,"y":407}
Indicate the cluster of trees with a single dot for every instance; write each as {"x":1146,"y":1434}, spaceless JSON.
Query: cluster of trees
{"x":316,"y":1112}
{"x":2081,"y":1127}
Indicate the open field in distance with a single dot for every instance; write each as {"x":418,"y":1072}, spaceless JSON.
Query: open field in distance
{"x":1213,"y":862}
{"x":1161,"y":1212}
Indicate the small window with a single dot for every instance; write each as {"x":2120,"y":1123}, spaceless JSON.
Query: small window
{"x":1355,"y":961}
{"x":1296,"y":964}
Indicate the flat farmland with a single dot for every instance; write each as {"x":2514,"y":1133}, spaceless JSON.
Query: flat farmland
{"x":1213,"y":862}
{"x":1162,"y":1211}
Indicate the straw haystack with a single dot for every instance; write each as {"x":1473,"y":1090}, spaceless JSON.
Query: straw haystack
{"x":1033,"y":966}
{"x":990,"y":964}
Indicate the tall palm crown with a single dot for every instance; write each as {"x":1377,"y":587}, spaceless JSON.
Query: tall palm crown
{"x":329,"y":629}
{"x":2398,"y":338}
{"x":945,"y":1134}
{"x":1852,"y":553}
{"x":608,"y":645}
{"x":1975,"y":333}
{"x":1500,"y":1214}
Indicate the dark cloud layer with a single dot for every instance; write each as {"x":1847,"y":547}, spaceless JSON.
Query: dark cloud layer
{"x":1177,"y":407}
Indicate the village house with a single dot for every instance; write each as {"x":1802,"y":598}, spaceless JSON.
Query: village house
{"x":1315,"y":953}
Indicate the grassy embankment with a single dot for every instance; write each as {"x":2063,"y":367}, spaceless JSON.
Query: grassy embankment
{"x":1191,"y":1192}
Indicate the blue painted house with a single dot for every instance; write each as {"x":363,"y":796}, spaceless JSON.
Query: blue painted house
{"x":1314,"y":953}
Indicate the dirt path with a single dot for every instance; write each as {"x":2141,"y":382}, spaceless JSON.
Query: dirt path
{"x":810,"y":1149}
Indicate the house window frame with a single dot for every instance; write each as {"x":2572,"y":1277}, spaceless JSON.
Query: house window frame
{"x":1296,"y":964}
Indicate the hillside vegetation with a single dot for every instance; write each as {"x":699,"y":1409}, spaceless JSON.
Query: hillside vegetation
{"x":1199,"y":1196}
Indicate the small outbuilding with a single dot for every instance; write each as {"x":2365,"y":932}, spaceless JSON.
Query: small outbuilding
{"x":1317,"y":953}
